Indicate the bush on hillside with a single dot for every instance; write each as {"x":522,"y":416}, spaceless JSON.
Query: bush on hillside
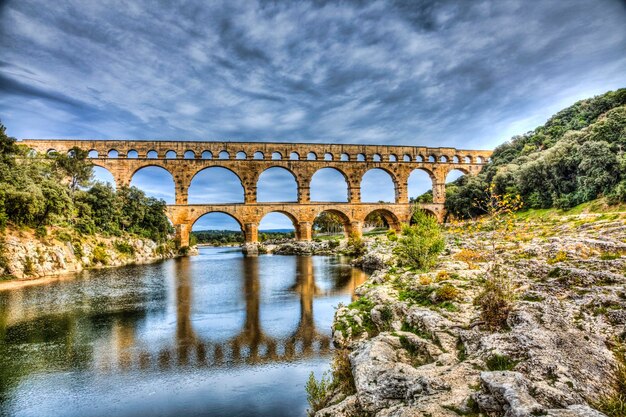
{"x":42,"y":190}
{"x":496,"y":299}
{"x":420,"y":243}
{"x":577,"y":156}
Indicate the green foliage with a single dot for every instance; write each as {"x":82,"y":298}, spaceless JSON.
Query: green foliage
{"x":561,"y":256}
{"x":38,"y":191}
{"x":318,"y":392}
{"x":447,"y":292}
{"x":427,"y":197}
{"x":419,"y":295}
{"x":497,"y":362}
{"x":392,"y":235}
{"x":41,"y":232}
{"x":63,"y":236}
{"x":78,"y":249}
{"x":99,"y":255}
{"x":333,"y":244}
{"x":75,"y":166}
{"x":29,"y":266}
{"x":124,"y":247}
{"x":575,"y":157}
{"x":217,"y":237}
{"x":328,"y":222}
{"x":609,"y":256}
{"x":341,"y":380}
{"x":4,"y":261}
{"x":615,"y":405}
{"x":364,"y":308}
{"x":496,"y":299}
{"x":420,"y":243}
{"x":356,"y":245}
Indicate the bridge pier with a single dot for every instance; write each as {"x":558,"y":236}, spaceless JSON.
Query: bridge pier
{"x":182,"y":234}
{"x":304,"y":194}
{"x":304,"y":231}
{"x":402,"y":193}
{"x":356,"y":229}
{"x":250,"y":195}
{"x":251,"y":232}
{"x":439,"y":192}
{"x":182,"y":194}
{"x":354,"y":194}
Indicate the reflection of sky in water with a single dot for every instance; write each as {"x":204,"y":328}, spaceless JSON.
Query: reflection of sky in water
{"x":160,"y":338}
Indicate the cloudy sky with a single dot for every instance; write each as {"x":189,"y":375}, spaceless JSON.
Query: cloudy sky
{"x":467,"y":74}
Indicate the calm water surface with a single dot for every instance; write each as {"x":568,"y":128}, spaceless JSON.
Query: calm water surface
{"x":217,"y":334}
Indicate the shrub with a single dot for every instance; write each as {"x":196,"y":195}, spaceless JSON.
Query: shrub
{"x":318,"y":393}
{"x":356,"y":245}
{"x":78,"y":249}
{"x":4,"y":261}
{"x":447,"y":292}
{"x":124,"y":247}
{"x":470,"y":257}
{"x":343,"y":379}
{"x":421,"y":243}
{"x":41,"y":231}
{"x":333,"y":244}
{"x":29,"y":266}
{"x":406,"y":327}
{"x":496,"y":299}
{"x":442,"y":275}
{"x":425,"y":280}
{"x":63,"y":236}
{"x":391,"y":235}
{"x":609,"y":256}
{"x":364,"y":307}
{"x":500,"y":363}
{"x":561,"y":256}
{"x":615,"y":405}
{"x":99,"y":255}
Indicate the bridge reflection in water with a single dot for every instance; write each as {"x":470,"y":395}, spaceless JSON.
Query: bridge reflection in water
{"x":251,"y":345}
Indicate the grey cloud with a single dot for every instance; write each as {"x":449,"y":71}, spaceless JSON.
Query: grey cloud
{"x":416,"y":72}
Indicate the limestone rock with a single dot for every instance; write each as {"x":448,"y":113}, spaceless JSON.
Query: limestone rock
{"x":349,"y":407}
{"x":506,"y":392}
{"x":381,"y":380}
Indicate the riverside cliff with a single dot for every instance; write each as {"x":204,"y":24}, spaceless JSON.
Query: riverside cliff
{"x":421,"y":344}
{"x":26,"y":256}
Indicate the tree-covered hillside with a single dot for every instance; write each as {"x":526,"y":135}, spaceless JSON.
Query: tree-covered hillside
{"x":57,"y":190}
{"x":577,"y":156}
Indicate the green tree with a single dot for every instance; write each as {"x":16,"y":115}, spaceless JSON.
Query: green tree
{"x":75,"y":166}
{"x":7,"y":146}
{"x":421,"y":242}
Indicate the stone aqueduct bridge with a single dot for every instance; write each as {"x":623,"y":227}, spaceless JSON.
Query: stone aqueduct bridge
{"x":183,"y":160}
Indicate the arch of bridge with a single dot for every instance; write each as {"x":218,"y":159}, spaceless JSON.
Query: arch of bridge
{"x":249,"y":170}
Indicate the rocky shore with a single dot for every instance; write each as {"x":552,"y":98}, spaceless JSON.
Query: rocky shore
{"x":27,"y":257}
{"x":293,"y":247}
{"x":417,"y":344}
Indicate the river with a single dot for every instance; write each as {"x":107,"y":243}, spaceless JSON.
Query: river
{"x":218,"y":334}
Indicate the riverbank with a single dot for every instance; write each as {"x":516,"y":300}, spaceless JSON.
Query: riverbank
{"x":28,"y":259}
{"x":424,"y":343}
{"x":294,"y":247}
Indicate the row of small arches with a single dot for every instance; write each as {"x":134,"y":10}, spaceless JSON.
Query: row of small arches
{"x":294,"y":156}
